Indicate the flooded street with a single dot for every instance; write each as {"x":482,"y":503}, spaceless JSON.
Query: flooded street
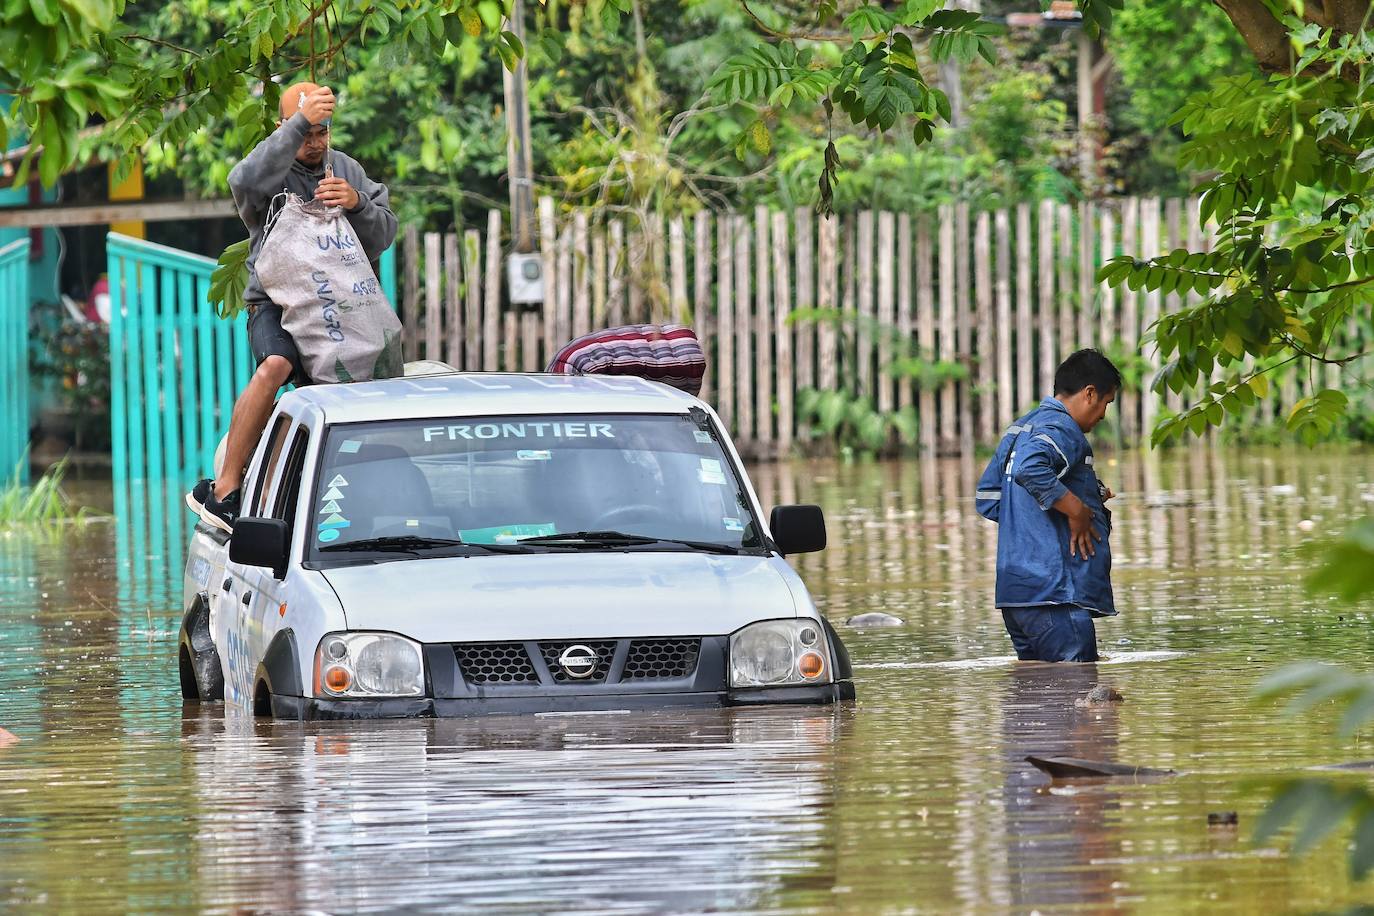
{"x":917,"y":798}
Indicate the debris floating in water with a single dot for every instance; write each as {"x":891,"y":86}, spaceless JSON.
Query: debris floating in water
{"x":1222,"y":819}
{"x":8,"y":738}
{"x":1100,"y":695}
{"x":874,"y":619}
{"x":1306,"y":525}
{"x":1077,"y":767}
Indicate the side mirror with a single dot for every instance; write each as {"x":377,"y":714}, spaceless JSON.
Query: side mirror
{"x":260,"y":542}
{"x":797,"y":529}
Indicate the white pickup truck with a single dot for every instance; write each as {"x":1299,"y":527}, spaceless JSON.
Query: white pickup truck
{"x":462,"y":544}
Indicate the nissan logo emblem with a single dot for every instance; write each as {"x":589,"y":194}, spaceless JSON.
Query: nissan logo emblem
{"x":578,"y":661}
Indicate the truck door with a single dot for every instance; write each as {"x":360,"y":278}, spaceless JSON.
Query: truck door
{"x":268,"y":612}
{"x":249,"y":586}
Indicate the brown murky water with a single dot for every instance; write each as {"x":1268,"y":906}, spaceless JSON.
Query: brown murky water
{"x":915,"y":799}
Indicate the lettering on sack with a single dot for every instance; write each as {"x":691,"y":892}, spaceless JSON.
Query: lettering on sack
{"x":520,"y":431}
{"x":340,"y":240}
{"x":328,"y":306}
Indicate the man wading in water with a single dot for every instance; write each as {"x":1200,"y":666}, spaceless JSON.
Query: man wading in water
{"x":1053,"y":562}
{"x":292,"y":159}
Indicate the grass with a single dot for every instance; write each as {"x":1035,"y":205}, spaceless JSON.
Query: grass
{"x":43,"y":503}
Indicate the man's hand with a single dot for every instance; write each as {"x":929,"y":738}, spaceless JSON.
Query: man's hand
{"x":319,"y":105}
{"x":1081,"y":532}
{"x":336,"y":192}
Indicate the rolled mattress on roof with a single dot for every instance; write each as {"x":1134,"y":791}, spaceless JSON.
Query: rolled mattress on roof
{"x":667,"y":353}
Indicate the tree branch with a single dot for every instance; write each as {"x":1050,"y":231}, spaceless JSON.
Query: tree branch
{"x":1264,"y":35}
{"x":1316,"y":357}
{"x":161,"y":43}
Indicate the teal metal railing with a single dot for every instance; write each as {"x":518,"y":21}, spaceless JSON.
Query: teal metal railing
{"x":175,"y":367}
{"x":14,"y":360}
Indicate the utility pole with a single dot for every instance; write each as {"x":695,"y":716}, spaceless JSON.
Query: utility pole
{"x":521,"y":166}
{"x":951,"y":75}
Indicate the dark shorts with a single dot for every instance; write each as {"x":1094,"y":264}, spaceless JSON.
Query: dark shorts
{"x":1051,"y":633}
{"x":267,"y":338}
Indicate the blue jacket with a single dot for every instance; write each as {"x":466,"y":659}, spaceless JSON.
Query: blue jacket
{"x":1041,"y":456}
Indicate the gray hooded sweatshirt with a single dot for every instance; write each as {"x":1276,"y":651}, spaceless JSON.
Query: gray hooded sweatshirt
{"x":272,"y":167}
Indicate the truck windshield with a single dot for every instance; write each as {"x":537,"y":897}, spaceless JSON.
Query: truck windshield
{"x":504,"y":480}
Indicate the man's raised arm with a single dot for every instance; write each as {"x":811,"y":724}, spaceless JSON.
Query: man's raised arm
{"x":262,"y":173}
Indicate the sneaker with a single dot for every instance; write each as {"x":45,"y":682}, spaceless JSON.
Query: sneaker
{"x":221,"y":513}
{"x":203,"y":490}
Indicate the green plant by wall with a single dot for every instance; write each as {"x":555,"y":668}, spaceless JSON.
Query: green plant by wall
{"x":42,"y":503}
{"x":847,"y":417}
{"x":853,"y":425}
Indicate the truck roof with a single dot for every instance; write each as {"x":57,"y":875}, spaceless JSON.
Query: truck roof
{"x":474,"y":394}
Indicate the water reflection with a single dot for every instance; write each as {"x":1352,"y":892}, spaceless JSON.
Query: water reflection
{"x":689,"y":811}
{"x":1055,"y":836}
{"x":916,"y":799}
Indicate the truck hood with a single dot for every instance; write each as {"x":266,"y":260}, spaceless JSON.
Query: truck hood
{"x":563,"y":596}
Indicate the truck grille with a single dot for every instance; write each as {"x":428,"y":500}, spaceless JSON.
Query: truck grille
{"x":509,"y":664}
{"x":495,"y":663}
{"x":604,"y":652}
{"x":659,"y":658}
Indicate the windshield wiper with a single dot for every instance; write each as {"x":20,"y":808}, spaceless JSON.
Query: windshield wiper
{"x":590,"y":538}
{"x":601,"y":539}
{"x":409,"y":543}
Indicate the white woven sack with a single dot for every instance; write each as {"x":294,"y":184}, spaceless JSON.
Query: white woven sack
{"x":312,"y":265}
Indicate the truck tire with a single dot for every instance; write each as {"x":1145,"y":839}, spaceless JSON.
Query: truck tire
{"x":279,"y":674}
{"x":197,"y":658}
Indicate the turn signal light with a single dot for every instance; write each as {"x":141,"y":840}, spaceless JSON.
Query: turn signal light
{"x":811,"y":665}
{"x":337,"y":678}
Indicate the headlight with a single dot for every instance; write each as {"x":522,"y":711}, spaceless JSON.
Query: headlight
{"x":779,"y":652}
{"x":368,"y":665}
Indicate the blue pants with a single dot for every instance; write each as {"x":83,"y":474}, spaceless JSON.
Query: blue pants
{"x":1051,"y":633}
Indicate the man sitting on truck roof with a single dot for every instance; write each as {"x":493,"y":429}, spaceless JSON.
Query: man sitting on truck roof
{"x":296,"y":158}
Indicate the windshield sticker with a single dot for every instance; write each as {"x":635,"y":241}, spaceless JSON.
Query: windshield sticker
{"x":335,"y":520}
{"x":732,"y":524}
{"x":506,"y":534}
{"x":710,"y":464}
{"x":534,"y":454}
{"x":332,"y":493}
{"x":528,"y":430}
{"x":331,"y":506}
{"x":328,"y":534}
{"x":703,"y":438}
{"x":339,"y":481}
{"x":715,"y":478}
{"x":349,"y":446}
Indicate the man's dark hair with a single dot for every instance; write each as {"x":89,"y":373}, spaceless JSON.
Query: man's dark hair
{"x":1084,"y":368}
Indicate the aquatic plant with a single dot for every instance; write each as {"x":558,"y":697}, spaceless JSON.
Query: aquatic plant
{"x":43,"y":503}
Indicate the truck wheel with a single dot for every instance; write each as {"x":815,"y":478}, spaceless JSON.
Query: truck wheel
{"x":262,"y":701}
{"x":198,"y":659}
{"x":190,"y":690}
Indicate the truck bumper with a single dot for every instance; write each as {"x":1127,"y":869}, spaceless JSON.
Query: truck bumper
{"x":308,"y":708}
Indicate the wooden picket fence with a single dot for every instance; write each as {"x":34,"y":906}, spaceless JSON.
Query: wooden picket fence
{"x":1004,"y":294}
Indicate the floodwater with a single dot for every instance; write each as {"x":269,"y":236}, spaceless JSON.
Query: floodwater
{"x":915,"y":799}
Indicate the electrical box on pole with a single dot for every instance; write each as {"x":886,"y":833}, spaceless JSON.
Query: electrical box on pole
{"x":523,"y":268}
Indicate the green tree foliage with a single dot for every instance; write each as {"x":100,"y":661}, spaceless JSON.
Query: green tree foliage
{"x":1201,"y":47}
{"x":874,"y":81}
{"x":147,"y":90}
{"x":1284,"y":278}
{"x":1292,"y":196}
